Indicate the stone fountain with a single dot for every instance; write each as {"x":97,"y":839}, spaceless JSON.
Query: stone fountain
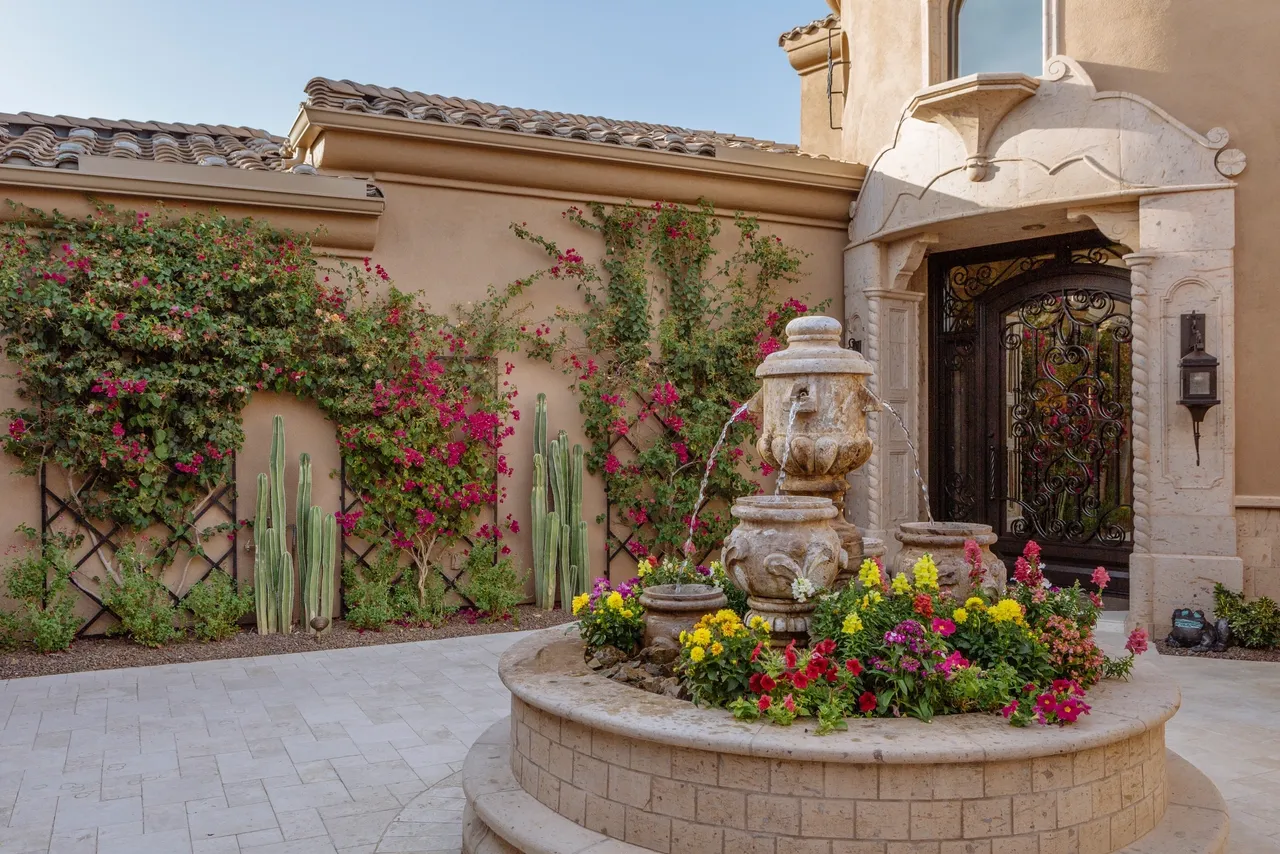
{"x":811,"y":407}
{"x":585,"y":764}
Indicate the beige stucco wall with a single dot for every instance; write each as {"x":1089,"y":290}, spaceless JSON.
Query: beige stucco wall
{"x":451,"y":242}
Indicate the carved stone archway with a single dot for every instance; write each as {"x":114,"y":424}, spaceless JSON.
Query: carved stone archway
{"x":984,"y":159}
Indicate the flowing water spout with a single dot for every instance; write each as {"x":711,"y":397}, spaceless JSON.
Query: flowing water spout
{"x":915,"y":455}
{"x":786,"y":447}
{"x":706,"y":475}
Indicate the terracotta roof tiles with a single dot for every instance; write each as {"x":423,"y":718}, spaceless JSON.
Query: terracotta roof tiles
{"x":59,"y":141}
{"x":830,"y":22}
{"x":402,"y":103}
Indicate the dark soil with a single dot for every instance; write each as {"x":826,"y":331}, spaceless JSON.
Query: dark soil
{"x":1235,"y":653}
{"x":100,"y":653}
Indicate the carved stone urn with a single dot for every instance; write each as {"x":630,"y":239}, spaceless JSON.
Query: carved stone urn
{"x":670,"y":609}
{"x":779,"y":539}
{"x":945,"y":541}
{"x":814,"y":427}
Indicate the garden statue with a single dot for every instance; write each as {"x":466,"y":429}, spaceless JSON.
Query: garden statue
{"x":1192,"y":630}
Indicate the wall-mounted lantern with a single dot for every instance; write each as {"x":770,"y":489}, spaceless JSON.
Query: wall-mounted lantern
{"x":1199,"y":375}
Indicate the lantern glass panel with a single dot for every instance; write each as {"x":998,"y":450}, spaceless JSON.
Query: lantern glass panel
{"x":1198,"y":384}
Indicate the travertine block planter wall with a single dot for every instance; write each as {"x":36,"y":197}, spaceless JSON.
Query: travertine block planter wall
{"x":662,"y":775}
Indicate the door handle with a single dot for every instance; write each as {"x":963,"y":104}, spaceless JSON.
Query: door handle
{"x":991,"y":469}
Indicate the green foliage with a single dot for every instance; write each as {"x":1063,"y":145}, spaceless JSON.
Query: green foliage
{"x":216,"y":606}
{"x":976,"y":690}
{"x":1254,"y":625}
{"x":38,"y":582}
{"x":139,"y":598}
{"x":717,"y":657}
{"x":492,"y":583}
{"x":419,"y":598}
{"x":140,"y":340}
{"x":669,"y":377}
{"x":609,"y":618}
{"x":367,"y":590}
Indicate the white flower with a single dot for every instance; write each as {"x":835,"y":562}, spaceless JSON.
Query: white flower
{"x":802,"y":589}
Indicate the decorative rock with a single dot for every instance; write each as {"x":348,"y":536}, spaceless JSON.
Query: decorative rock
{"x":607,"y":656}
{"x":661,"y":656}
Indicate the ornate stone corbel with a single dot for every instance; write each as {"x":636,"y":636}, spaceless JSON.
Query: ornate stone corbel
{"x":972,"y":108}
{"x":1118,"y":222}
{"x":903,"y":258}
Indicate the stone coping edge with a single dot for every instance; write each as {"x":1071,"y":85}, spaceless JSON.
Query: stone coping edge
{"x":1195,"y":821}
{"x":546,"y":670}
{"x":517,"y":817}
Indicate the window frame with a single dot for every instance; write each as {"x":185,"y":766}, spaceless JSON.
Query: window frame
{"x":1050,"y":41}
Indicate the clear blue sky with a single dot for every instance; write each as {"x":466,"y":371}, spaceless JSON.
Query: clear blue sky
{"x":710,"y":64}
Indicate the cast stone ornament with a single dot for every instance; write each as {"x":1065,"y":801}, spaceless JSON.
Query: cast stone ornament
{"x":1230,"y":162}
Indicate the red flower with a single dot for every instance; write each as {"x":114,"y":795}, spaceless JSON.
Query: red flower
{"x":825,"y":647}
{"x":867,"y":702}
{"x":924,"y":605}
{"x":755,"y":653}
{"x":853,"y":666}
{"x":764,"y":703}
{"x":800,"y":680}
{"x":789,"y":654}
{"x":788,"y":703}
{"x":767,"y":682}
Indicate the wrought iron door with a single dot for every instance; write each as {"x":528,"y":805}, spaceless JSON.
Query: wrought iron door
{"x":1031,"y":403}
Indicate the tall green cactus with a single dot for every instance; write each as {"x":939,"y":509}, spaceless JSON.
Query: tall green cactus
{"x":559,"y":532}
{"x":317,"y":534}
{"x":544,"y":569}
{"x":273,"y":565}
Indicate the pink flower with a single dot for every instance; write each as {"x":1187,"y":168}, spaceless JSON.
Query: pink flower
{"x":1008,"y":710}
{"x":1032,"y":551}
{"x":1137,"y":643}
{"x":681,"y":451}
{"x":17,"y":427}
{"x":424,"y":517}
{"x":115,"y":321}
{"x":620,"y":426}
{"x":946,"y":628}
{"x":117,"y":430}
{"x":765,"y":702}
{"x":788,"y":703}
{"x":1101,"y":577}
{"x":611,"y":464}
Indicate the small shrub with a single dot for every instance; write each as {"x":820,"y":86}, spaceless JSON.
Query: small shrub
{"x":39,"y":584}
{"x":216,"y":606}
{"x":140,"y":600}
{"x":608,"y":617}
{"x":1254,"y":625}
{"x":419,"y":598}
{"x":367,"y":590}
{"x":492,"y":584}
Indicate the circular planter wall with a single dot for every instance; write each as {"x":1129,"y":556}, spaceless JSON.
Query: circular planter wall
{"x":586,"y":758}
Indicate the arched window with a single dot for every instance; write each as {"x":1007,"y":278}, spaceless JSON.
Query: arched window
{"x":997,"y":35}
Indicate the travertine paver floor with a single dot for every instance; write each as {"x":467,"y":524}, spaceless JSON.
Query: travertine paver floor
{"x":357,"y":750}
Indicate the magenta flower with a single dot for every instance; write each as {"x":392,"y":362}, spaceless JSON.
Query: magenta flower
{"x":946,"y":628}
{"x":1137,"y":642}
{"x":1101,"y":577}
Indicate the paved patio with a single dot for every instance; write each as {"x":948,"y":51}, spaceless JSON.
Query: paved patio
{"x":356,"y":751}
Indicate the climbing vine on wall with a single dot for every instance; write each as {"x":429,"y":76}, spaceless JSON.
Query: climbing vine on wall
{"x":136,"y":341}
{"x":670,"y":335}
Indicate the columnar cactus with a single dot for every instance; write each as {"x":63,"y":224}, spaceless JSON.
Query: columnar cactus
{"x":317,"y":538}
{"x":273,"y":565}
{"x":559,"y":534}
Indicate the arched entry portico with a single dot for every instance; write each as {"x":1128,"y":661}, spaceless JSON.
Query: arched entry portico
{"x":992,"y":159}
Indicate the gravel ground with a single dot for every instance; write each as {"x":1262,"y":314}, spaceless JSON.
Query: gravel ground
{"x":1235,"y":653}
{"x":100,"y":653}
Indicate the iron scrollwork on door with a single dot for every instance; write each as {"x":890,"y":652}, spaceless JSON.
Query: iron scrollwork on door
{"x":1030,"y":399}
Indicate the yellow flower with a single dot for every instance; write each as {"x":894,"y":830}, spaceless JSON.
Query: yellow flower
{"x":717,"y":648}
{"x":628,"y":613}
{"x":701,"y":637}
{"x":580,"y":602}
{"x":975,"y":603}
{"x":614,"y":601}
{"x":697,"y":654}
{"x":1006,"y":611}
{"x":959,"y":615}
{"x":852,"y":624}
{"x":643,"y":568}
{"x":759,"y":623}
{"x":925,"y":573}
{"x":869,"y":573}
{"x":900,"y":584}
{"x":724,"y":615}
{"x":684,"y":637}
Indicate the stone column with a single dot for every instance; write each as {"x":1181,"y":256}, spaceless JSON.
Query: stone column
{"x":1184,"y":513}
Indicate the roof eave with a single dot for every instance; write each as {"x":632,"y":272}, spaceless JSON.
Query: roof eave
{"x":361,"y":143}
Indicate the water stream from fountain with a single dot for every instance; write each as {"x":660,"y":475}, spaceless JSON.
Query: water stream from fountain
{"x":786,"y":446}
{"x":915,"y":455}
{"x":706,"y":475}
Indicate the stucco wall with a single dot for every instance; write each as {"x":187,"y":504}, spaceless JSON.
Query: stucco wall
{"x":452,"y":243}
